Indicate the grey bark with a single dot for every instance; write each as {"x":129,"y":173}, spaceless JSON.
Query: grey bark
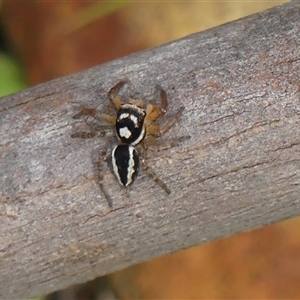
{"x":239,"y":84}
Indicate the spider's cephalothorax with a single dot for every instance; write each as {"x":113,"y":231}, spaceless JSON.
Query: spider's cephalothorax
{"x":134,"y":124}
{"x":130,"y":125}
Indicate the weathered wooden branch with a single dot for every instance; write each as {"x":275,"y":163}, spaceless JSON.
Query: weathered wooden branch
{"x":239,"y":84}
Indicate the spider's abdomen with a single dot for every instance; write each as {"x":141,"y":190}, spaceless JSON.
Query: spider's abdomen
{"x":130,"y":125}
{"x":125,"y":162}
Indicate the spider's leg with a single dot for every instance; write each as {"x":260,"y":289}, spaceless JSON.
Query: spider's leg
{"x":104,"y":157}
{"x":152,"y":174}
{"x":86,"y":111}
{"x":108,"y":118}
{"x":87,"y":135}
{"x":163,"y":99}
{"x":95,"y":131}
{"x":157,"y":131}
{"x":173,"y":143}
{"x":113,"y":96}
{"x":96,"y":114}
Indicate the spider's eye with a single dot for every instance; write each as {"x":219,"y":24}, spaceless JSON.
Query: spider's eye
{"x":125,"y":162}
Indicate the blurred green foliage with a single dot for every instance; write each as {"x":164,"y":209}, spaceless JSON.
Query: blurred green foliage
{"x":12,"y":78}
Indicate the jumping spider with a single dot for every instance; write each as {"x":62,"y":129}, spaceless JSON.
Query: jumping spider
{"x":133,"y":124}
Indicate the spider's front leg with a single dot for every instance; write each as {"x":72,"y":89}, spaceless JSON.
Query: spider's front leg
{"x":163,"y":99}
{"x":113,"y":96}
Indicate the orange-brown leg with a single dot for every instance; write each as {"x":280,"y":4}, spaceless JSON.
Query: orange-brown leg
{"x":108,"y":118}
{"x":96,"y":114}
{"x":96,"y":130}
{"x":86,"y":111}
{"x":113,"y":96}
{"x":87,"y":135}
{"x":137,"y":102}
{"x":153,"y":130}
{"x":149,"y":141}
{"x":156,"y":131}
{"x":153,"y":111}
{"x":163,"y":98}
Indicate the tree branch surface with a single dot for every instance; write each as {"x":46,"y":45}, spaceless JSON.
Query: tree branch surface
{"x":239,"y":84}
